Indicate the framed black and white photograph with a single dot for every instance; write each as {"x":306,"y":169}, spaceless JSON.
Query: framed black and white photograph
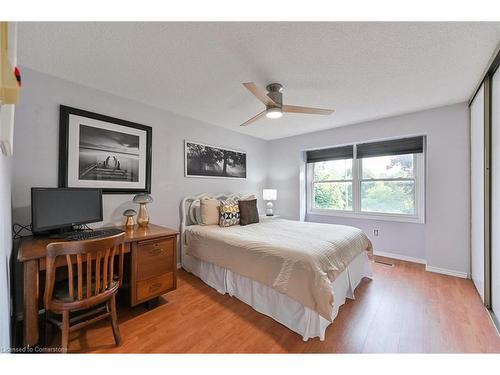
{"x":203,"y":160}
{"x":99,"y":151}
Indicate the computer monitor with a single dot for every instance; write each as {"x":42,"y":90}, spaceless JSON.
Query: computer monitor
{"x":61,"y":208}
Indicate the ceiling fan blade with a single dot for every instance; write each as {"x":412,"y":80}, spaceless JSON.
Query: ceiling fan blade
{"x":260,"y":94}
{"x":254,"y":118}
{"x":308,"y":110}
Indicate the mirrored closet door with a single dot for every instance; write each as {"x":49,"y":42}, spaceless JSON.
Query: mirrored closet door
{"x":485,"y":188}
{"x":495,"y":195}
{"x":477,"y":190}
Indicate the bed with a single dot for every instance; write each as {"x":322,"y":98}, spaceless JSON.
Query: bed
{"x":298,"y":273}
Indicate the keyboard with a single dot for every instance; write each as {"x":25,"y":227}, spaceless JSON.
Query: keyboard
{"x":91,"y":235}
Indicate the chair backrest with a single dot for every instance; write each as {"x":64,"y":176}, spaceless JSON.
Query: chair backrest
{"x":96,"y":257}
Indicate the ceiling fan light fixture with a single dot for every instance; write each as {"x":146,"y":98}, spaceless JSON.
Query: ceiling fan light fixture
{"x":274,"y":112}
{"x":273,"y":100}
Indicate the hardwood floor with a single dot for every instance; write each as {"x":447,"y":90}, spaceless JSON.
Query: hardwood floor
{"x":404,"y":309}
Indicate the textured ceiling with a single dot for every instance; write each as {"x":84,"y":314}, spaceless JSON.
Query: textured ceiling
{"x":362,"y":70}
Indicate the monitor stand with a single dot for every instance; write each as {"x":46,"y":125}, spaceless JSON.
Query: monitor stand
{"x":62,"y":233}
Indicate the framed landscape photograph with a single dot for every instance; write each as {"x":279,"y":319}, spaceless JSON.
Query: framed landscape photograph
{"x":98,"y":151}
{"x":211,"y":161}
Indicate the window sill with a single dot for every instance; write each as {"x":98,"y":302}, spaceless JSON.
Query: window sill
{"x":368,"y":216}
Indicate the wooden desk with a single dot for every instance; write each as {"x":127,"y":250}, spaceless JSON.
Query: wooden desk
{"x":153,"y":269}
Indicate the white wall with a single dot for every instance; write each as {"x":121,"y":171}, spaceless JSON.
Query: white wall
{"x":5,"y":250}
{"x":36,"y":148}
{"x":443,"y":241}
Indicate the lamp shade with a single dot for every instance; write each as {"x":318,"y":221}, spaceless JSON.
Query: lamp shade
{"x":129,"y":212}
{"x":269,"y":194}
{"x":143,"y":198}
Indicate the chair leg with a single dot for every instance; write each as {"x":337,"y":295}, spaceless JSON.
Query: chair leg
{"x":48,"y":330}
{"x":65,"y":331}
{"x":114,"y":321}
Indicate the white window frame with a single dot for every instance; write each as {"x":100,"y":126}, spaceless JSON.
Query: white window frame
{"x":419,"y":176}
{"x":312,"y":182}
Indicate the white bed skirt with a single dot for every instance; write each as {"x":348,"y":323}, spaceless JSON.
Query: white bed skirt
{"x":285,"y":310}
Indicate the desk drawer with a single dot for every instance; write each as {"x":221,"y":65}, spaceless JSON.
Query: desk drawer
{"x":155,"y":286}
{"x":155,"y":258}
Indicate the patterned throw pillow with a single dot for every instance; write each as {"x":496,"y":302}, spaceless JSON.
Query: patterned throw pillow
{"x":229,"y":213}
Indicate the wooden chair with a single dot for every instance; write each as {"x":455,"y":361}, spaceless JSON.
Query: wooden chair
{"x":94,"y":259}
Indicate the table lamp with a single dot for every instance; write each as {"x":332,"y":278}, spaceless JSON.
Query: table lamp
{"x":269,"y":195}
{"x":143,"y":217}
{"x":129,"y":214}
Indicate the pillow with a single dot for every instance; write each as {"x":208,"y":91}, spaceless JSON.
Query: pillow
{"x":249,"y":198}
{"x":248,"y":211}
{"x":229,"y":213}
{"x":194,"y":212}
{"x":209,"y":211}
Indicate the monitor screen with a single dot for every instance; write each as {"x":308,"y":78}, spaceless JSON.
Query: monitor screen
{"x":57,"y":208}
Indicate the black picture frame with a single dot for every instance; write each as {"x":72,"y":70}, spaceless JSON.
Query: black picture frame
{"x":216,"y":161}
{"x":64,"y":123}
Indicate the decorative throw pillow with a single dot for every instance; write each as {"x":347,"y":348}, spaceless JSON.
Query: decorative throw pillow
{"x":248,"y":212}
{"x":249,"y":198}
{"x":209,"y":211}
{"x":229,"y":213}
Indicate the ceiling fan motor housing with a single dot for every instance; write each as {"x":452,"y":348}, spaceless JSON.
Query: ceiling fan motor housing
{"x":275,"y":93}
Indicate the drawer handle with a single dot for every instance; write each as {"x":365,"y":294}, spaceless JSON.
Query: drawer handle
{"x":156,"y":251}
{"x":154,"y":287}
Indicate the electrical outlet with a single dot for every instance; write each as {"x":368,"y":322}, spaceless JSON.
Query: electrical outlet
{"x":375,"y":232}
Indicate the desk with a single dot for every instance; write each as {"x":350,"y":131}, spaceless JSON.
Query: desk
{"x":152,"y":269}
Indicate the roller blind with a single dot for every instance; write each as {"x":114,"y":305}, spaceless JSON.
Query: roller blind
{"x":413,"y":145}
{"x":334,"y":153}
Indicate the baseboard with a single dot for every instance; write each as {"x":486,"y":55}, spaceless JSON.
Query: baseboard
{"x":494,"y":320}
{"x":399,"y":257}
{"x":179,"y":266}
{"x":444,"y":271}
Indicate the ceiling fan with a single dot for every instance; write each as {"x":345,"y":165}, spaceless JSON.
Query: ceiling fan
{"x":273,"y":100}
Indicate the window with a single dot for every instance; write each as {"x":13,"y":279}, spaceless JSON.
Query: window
{"x":332,"y":184}
{"x":380,"y":180}
{"x":388,"y":184}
